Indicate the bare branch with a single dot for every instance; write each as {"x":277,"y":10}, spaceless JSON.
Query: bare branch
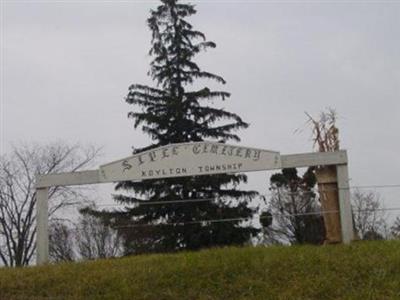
{"x":18,"y":171}
{"x":369,"y":218}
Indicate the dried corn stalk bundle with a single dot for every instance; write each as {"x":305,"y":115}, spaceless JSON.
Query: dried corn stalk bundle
{"x":326,"y":139}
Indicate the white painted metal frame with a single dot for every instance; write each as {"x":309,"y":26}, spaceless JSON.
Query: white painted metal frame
{"x":339,"y":158}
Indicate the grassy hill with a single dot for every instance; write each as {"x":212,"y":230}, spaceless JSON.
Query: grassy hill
{"x":364,"y":270}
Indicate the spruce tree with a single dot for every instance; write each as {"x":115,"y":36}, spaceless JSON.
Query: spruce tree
{"x":173,"y":111}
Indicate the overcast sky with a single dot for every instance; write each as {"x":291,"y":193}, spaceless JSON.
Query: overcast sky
{"x":66,"y":67}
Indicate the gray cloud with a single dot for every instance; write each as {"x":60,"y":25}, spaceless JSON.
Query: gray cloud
{"x":67,"y":65}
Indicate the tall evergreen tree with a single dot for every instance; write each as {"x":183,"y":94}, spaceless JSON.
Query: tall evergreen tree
{"x":174,"y":112}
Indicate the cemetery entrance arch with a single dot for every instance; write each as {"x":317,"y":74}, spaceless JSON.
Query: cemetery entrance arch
{"x":192,"y":159}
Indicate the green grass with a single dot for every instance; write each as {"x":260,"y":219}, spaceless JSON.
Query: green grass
{"x":364,"y":270}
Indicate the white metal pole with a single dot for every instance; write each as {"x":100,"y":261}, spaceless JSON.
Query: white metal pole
{"x":42,"y":232}
{"x":346,"y":219}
